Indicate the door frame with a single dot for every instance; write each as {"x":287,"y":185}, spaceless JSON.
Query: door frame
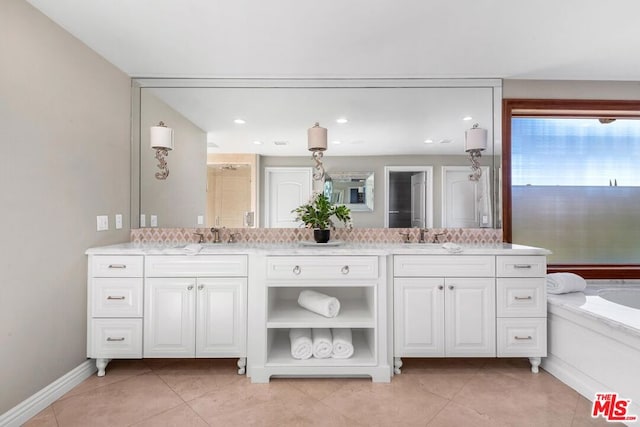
{"x":429,"y":189}
{"x":267,"y":182}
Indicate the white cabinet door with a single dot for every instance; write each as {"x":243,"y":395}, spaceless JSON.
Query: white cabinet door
{"x":285,"y":189}
{"x":470,"y":317}
{"x":169,"y":317}
{"x":221,"y":325}
{"x":419,"y":317}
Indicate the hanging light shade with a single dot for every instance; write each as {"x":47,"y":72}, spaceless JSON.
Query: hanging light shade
{"x":317,"y":138}
{"x":475,"y":139}
{"x":161,"y":137}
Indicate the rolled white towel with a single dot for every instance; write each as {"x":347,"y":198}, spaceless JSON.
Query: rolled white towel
{"x":563,"y":283}
{"x":342,"y":343}
{"x":322,"y":304}
{"x":193,"y":248}
{"x":322,"y":342}
{"x":301,"y":344}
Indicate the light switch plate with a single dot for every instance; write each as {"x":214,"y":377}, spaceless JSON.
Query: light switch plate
{"x":102,"y":222}
{"x":154,"y":220}
{"x":118,"y":221}
{"x":200,"y":219}
{"x":143,"y":220}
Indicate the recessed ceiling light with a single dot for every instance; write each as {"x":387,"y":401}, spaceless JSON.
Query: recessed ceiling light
{"x":257,"y":142}
{"x":342,"y":120}
{"x":239,"y":121}
{"x":336,"y":142}
{"x":280,"y":143}
{"x":467,"y":118}
{"x":445,"y":141}
{"x":428,"y":141}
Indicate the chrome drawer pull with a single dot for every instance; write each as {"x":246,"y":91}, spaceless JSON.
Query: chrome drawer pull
{"x":528,"y":337}
{"x":345,"y":269}
{"x":297,"y":270}
{"x":115,"y":339}
{"x":117,"y":266}
{"x":521,"y":266}
{"x":523,"y":298}
{"x":112,"y":297}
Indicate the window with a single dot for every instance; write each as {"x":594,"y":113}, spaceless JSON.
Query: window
{"x":574,"y":186}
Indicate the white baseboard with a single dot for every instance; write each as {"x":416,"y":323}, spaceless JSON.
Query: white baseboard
{"x":33,"y":405}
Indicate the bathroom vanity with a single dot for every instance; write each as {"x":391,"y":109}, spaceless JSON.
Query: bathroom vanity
{"x":234,"y":300}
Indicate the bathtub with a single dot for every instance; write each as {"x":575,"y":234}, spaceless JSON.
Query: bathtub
{"x":594,"y":341}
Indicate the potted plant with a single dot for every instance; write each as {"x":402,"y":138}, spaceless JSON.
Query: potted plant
{"x":318,"y":213}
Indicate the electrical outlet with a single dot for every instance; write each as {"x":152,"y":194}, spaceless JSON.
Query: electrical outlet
{"x":200,"y":219}
{"x":102,"y":222}
{"x":143,"y":220}
{"x":118,"y":221}
{"x":154,"y":220}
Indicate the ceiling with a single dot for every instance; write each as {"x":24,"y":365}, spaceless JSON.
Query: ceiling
{"x":355,"y":39}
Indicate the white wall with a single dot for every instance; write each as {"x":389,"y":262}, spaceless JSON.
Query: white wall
{"x":64,"y":134}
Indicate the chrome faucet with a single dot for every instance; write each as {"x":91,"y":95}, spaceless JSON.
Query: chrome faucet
{"x":232,"y":237}
{"x":200,"y":237}
{"x":422,"y":233}
{"x":216,"y":235}
{"x":406,"y":237}
{"x":435,"y":237}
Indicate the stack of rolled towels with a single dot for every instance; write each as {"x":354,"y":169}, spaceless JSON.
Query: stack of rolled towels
{"x":321,"y":343}
{"x":564,"y":283}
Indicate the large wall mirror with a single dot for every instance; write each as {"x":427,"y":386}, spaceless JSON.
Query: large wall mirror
{"x":227,"y":132}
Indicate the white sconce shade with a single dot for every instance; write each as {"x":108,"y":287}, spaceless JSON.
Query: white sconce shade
{"x":161,"y":140}
{"x":161,"y":137}
{"x":317,"y":138}
{"x":475,"y":139}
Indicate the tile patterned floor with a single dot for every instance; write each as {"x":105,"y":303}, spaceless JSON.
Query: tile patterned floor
{"x":429,"y":392}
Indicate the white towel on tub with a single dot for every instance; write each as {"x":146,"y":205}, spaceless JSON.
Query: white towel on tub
{"x":322,"y":304}
{"x":322,"y":342}
{"x":563,"y":283}
{"x":342,"y":343}
{"x":301,"y":344}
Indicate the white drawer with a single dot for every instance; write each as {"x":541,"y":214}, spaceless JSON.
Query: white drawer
{"x":116,"y":338}
{"x":196,"y":266}
{"x":322,"y":267}
{"x":443,"y":265}
{"x":116,"y":297}
{"x":116,"y":265}
{"x":521,"y":297}
{"x":522,"y":337}
{"x":521,"y":266}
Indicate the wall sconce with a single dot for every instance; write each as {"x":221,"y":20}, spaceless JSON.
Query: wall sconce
{"x":161,"y":138}
{"x":317,"y":143}
{"x":475,"y":141}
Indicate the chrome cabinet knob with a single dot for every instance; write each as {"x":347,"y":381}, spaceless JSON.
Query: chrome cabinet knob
{"x":297,"y":270}
{"x":345,"y":269}
{"x":440,"y":287}
{"x":451,"y":287}
{"x":200,"y":287}
{"x":190,"y":287}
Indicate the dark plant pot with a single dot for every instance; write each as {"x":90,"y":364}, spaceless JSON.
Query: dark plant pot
{"x":321,"y":236}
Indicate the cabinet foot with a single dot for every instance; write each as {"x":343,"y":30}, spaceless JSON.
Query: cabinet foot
{"x":101,"y":364}
{"x":535,"y":362}
{"x":397,"y":364}
{"x":242,"y":363}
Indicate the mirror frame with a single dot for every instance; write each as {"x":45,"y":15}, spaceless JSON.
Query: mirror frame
{"x":139,"y":83}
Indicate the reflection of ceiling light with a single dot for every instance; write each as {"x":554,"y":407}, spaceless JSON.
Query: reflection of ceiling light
{"x":239,"y":121}
{"x":445,"y":141}
{"x":257,"y":142}
{"x":467,"y":118}
{"x":336,"y":142}
{"x":280,"y":142}
{"x":212,"y":145}
{"x":342,"y":120}
{"x":428,"y":141}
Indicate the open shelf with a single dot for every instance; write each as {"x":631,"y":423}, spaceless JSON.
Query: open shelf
{"x":279,"y":353}
{"x":354,"y":313}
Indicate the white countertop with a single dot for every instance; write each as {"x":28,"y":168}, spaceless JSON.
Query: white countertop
{"x":345,"y":248}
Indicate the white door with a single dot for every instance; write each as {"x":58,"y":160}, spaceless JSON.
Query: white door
{"x":470,"y":318}
{"x":419,"y":317}
{"x":461,"y":207}
{"x":222,"y":309}
{"x":169,"y":317}
{"x":285,"y":190}
{"x":419,"y":200}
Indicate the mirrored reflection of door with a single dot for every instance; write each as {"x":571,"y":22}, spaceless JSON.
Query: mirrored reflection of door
{"x":228,"y":195}
{"x":465,"y":203}
{"x":285,"y":189}
{"x":409,"y":196}
{"x":418,"y":200}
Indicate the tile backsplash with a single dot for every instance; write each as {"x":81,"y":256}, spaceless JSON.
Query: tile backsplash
{"x":290,"y":235}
